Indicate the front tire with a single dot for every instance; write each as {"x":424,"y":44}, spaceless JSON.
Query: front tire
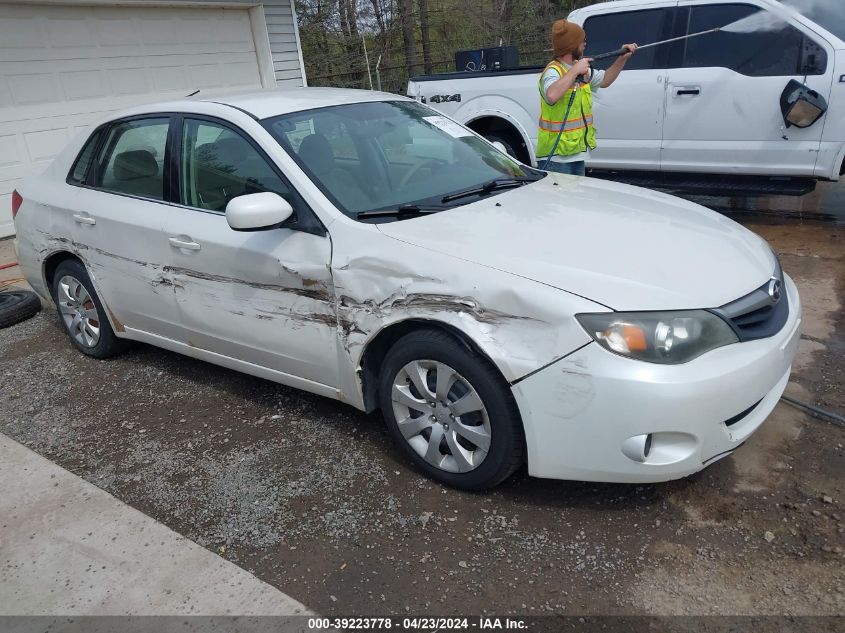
{"x":81,"y":312}
{"x":450,"y":411}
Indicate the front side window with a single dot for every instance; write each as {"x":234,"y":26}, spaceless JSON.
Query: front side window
{"x":219,"y":164}
{"x":384,"y":155}
{"x":608,"y":32}
{"x":131,"y":160}
{"x":756,"y":43}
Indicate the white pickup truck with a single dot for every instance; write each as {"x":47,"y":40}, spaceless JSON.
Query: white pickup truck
{"x":705,"y":105}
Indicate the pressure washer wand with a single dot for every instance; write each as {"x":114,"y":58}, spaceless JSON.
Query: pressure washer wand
{"x":624,"y":50}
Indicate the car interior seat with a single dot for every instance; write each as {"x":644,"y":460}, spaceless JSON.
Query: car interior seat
{"x":136,"y":172}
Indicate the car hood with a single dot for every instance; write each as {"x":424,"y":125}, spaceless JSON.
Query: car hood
{"x":625,"y":247}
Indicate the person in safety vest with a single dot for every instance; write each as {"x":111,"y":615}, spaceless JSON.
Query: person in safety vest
{"x":570,"y":79}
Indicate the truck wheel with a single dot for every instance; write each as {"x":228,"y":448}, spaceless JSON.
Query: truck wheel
{"x":495,"y":138}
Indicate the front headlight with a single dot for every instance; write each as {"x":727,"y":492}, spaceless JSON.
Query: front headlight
{"x":658,"y":337}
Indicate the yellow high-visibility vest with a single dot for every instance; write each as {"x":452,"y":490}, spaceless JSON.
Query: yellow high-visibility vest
{"x":579,"y":133}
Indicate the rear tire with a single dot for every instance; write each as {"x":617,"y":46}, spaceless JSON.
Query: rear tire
{"x":81,"y":312}
{"x":472,"y":436}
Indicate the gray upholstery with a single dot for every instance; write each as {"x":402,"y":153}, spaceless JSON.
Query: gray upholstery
{"x":134,"y":164}
{"x":136,"y":172}
{"x":316,"y":152}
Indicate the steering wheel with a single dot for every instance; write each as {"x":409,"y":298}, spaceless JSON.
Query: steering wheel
{"x":416,"y":168}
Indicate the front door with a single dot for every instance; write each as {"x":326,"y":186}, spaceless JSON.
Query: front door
{"x":263,"y":297}
{"x":629,"y":114}
{"x":723,"y":110}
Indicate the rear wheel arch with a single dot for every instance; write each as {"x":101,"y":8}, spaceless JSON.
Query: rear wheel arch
{"x":52,"y":263}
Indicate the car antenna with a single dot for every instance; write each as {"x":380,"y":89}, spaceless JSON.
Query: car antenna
{"x":195,"y":92}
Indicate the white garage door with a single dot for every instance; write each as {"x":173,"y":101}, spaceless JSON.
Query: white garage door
{"x":62,"y":67}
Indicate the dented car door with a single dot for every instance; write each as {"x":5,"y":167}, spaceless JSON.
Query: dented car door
{"x":119,"y":215}
{"x":263,"y":297}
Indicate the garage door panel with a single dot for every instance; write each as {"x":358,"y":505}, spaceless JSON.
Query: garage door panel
{"x":114,"y":31}
{"x":32,"y":88}
{"x":63,"y":68}
{"x":20,"y":33}
{"x":68,"y":33}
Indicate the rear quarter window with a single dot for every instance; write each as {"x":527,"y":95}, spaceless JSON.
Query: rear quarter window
{"x":84,"y":160}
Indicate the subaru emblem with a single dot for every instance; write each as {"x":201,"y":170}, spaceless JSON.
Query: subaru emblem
{"x":775,"y":289}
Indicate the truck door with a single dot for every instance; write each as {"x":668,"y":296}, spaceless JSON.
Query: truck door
{"x":629,"y":114}
{"x":723,"y":110}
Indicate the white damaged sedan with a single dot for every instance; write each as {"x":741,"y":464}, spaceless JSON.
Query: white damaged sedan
{"x":361,"y":246}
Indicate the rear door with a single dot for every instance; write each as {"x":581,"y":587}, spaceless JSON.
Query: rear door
{"x":629,"y":114}
{"x":723,"y":105}
{"x":263,"y":297}
{"x":119,"y":216}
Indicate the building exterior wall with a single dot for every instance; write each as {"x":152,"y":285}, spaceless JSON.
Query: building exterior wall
{"x":282,"y":35}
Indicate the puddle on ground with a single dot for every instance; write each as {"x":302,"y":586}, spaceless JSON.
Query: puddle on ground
{"x":826,"y":203}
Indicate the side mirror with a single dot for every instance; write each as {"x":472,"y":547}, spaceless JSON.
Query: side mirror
{"x":257,"y":211}
{"x":501,"y":147}
{"x":801,"y":106}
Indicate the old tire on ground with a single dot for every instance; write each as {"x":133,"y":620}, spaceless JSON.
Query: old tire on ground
{"x":17,"y":306}
{"x":451,"y":411}
{"x":81,"y":312}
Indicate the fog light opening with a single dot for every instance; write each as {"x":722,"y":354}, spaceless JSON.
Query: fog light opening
{"x":637,"y":447}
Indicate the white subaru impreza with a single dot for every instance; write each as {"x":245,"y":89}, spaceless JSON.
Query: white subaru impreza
{"x":361,"y":246}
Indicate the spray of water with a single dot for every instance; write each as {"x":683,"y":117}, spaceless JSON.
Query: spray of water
{"x":759,"y":21}
{"x":768,"y":21}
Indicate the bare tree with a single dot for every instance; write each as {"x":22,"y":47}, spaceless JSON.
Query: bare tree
{"x":426,"y":40}
{"x":406,"y":11}
{"x":378,"y":12}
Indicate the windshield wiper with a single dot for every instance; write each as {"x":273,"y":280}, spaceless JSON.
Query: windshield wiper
{"x":489,"y":187}
{"x":404,"y":210}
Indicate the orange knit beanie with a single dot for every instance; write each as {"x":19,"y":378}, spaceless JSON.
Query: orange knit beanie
{"x":567,"y":37}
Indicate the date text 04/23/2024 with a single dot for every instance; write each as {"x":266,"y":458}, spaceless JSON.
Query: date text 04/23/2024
{"x":418,"y":624}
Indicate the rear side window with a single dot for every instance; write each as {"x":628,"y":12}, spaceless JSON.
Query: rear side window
{"x":131,"y":160}
{"x":762,"y":45}
{"x":84,"y":160}
{"x":609,"y":32}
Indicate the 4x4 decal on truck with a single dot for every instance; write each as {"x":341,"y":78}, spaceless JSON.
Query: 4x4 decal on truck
{"x":444,"y":98}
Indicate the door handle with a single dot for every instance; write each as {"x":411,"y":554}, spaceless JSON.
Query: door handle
{"x":688,"y":91}
{"x":83,"y":218}
{"x":190,"y":246}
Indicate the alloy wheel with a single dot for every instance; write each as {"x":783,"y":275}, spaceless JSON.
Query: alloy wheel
{"x":79,"y":312}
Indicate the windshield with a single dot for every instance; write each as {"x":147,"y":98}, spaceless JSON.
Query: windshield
{"x":391,"y":154}
{"x":828,"y":14}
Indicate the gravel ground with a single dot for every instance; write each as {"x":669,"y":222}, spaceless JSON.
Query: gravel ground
{"x":311,"y":496}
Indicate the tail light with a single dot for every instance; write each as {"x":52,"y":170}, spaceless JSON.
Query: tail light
{"x":17,"y":201}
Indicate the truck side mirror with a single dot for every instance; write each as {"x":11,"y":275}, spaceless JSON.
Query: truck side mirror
{"x":801,"y":106}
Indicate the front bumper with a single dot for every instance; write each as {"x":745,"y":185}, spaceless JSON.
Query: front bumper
{"x":580,"y":412}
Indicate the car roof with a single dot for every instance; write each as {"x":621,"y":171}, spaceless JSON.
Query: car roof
{"x":264,"y":103}
{"x":269,"y":103}
{"x":261,"y":104}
